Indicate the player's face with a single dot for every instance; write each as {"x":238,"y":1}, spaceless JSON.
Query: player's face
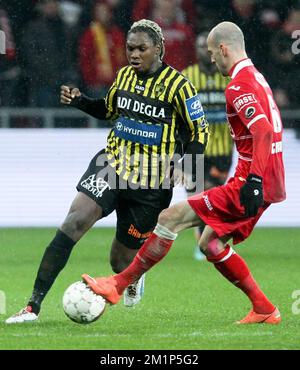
{"x":141,"y":53}
{"x":217,"y":57}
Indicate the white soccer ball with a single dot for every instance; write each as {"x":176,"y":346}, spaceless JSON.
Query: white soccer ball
{"x":81,"y":304}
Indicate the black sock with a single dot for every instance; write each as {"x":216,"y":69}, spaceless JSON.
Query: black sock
{"x":54,"y":260}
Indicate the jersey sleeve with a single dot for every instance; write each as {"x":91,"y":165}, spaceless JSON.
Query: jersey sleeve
{"x":246,"y":104}
{"x":103,"y":109}
{"x":189,"y":106}
{"x":111,"y":102}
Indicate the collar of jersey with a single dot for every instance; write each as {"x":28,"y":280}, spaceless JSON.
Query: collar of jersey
{"x":241,"y":64}
{"x":156,"y":73}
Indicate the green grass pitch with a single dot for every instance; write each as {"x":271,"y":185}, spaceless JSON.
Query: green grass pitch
{"x":187,"y":304}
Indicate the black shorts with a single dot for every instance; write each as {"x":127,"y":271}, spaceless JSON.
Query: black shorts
{"x":137,"y":209}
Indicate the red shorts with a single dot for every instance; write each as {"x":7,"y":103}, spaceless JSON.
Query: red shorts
{"x":220,"y":208}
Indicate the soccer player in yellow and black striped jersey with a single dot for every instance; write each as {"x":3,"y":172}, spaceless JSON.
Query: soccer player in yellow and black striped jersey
{"x":153,"y":108}
{"x":210,"y":85}
{"x":153,"y":112}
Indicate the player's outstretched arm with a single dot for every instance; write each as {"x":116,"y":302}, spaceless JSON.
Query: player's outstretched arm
{"x":74,"y":97}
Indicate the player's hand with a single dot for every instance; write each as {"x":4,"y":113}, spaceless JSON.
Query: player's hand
{"x":251,"y":195}
{"x":67,"y":94}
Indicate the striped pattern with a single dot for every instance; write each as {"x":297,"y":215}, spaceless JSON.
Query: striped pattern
{"x":166,"y":89}
{"x":220,"y":143}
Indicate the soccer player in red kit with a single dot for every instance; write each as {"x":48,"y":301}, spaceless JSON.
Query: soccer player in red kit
{"x":229,"y":211}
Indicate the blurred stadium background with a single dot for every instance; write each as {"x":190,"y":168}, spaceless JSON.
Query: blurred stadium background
{"x":44,"y":147}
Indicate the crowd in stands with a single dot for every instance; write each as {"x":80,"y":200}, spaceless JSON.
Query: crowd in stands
{"x":82,"y":42}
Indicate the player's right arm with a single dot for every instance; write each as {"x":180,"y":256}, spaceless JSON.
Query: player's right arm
{"x":103,"y":109}
{"x":247,"y":106}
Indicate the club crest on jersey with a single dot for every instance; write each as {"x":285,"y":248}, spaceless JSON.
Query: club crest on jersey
{"x":159,"y":89}
{"x":250,"y":112}
{"x":243,"y":100}
{"x":194,"y":107}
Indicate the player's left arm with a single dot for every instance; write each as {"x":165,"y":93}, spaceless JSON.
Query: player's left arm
{"x":247,"y":106}
{"x":189,"y":106}
{"x":102,"y":108}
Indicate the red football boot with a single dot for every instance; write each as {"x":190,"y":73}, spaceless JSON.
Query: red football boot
{"x":258,"y":318}
{"x":104,"y":286}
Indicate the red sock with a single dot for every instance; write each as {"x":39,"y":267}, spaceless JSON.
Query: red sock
{"x":152,"y":251}
{"x":235,"y":269}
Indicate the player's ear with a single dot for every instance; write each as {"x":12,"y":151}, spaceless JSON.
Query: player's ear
{"x":158,"y":49}
{"x":161,"y":52}
{"x":223,"y":50}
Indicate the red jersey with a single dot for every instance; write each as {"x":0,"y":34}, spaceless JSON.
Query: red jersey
{"x":256,"y":128}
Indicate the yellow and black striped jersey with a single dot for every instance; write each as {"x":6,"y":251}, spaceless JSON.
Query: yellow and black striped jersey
{"x":210,"y":88}
{"x":151,"y":114}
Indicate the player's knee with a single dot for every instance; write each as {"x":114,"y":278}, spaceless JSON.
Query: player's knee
{"x":119,"y":263}
{"x":163,"y":217}
{"x":116,"y":264}
{"x":211,"y":248}
{"x":77,"y":222}
{"x":81,"y":222}
{"x":167,"y":219}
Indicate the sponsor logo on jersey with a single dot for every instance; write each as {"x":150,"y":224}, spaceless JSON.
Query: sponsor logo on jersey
{"x":207,"y":202}
{"x":243,"y":100}
{"x":194,"y":107}
{"x":140,"y":107}
{"x":276,"y":147}
{"x":138,"y":132}
{"x":95,"y":185}
{"x":139,"y":88}
{"x":250,"y":112}
{"x":137,"y":234}
{"x":233,"y":87}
